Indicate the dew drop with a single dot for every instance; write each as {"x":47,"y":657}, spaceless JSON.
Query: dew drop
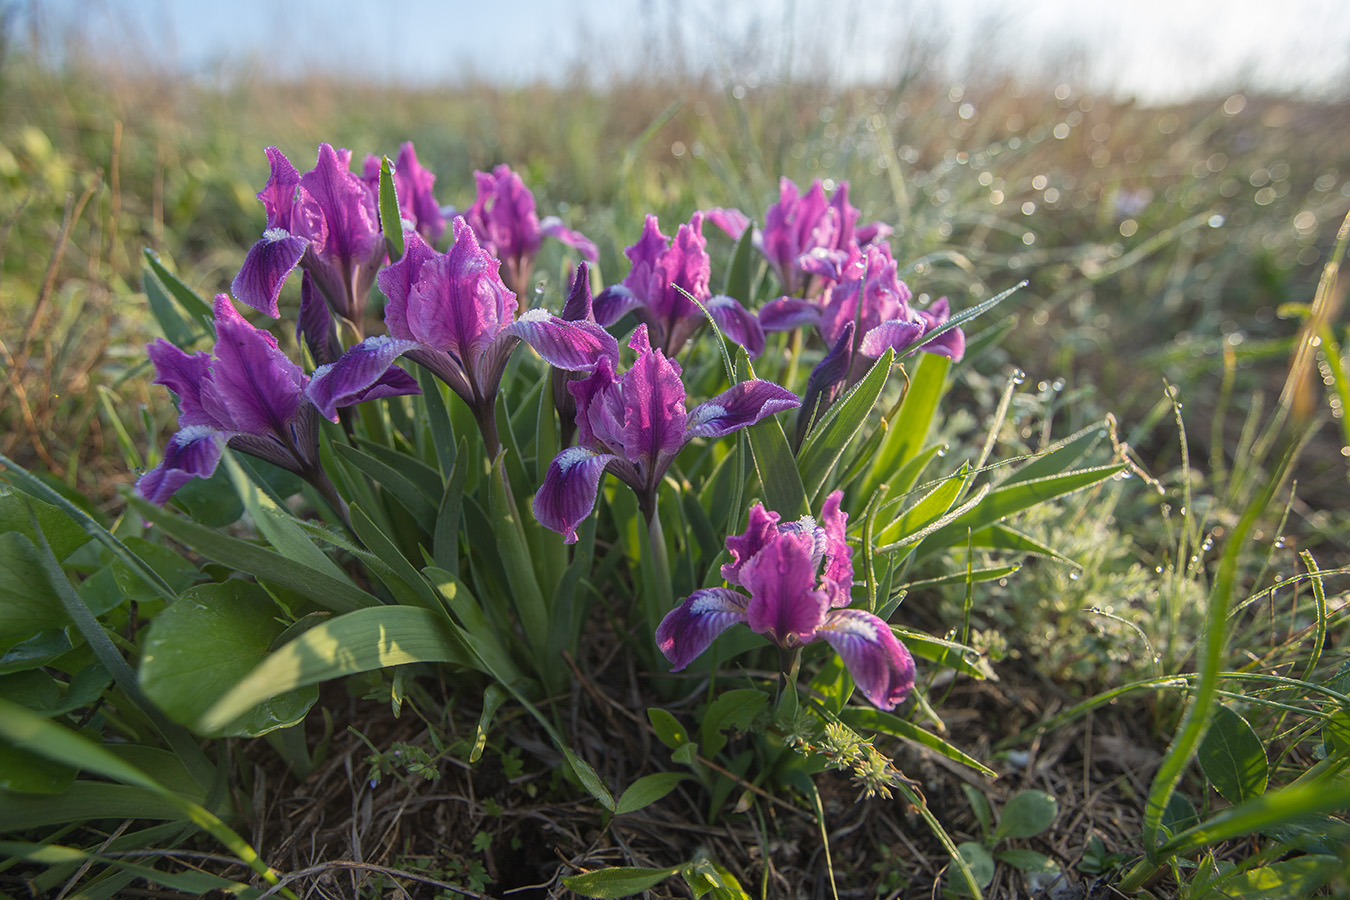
{"x":1057,"y":384}
{"x":1073,"y":576}
{"x":942,"y":451}
{"x":1279,"y":542}
{"x":1018,"y":376}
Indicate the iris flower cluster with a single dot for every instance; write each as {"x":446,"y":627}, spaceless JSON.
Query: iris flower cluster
{"x":456,"y":313}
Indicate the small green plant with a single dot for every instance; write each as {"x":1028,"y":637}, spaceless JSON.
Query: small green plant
{"x":1025,"y":815}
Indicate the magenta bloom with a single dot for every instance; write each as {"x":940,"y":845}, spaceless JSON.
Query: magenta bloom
{"x":869,"y":298}
{"x":504,"y":219}
{"x":451,"y":313}
{"x":798,"y":576}
{"x":248,"y":394}
{"x":804,"y":234}
{"x":662,"y":272}
{"x":635,"y":425}
{"x":325,"y":221}
{"x":412,"y":186}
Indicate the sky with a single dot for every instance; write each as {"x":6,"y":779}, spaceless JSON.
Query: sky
{"x":1156,"y":50}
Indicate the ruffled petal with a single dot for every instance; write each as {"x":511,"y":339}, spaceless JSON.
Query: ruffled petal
{"x":760,"y":528}
{"x":397,"y":280}
{"x":570,"y":487}
{"x":459,"y":303}
{"x":737,"y":323}
{"x":183,"y":373}
{"x":267,"y":264}
{"x":952,"y":343}
{"x":278,"y":196}
{"x":364,"y":372}
{"x":743,"y":405}
{"x":787,"y":313}
{"x":577,"y":308}
{"x":552,"y":226}
{"x":332,"y":193}
{"x":599,"y":408}
{"x":837,"y":578}
{"x":732,"y":221}
{"x":654,"y":414}
{"x":574,"y":346}
{"x":252,"y":386}
{"x":413,"y":184}
{"x":880,"y":665}
{"x":784,"y":603}
{"x":614,"y":303}
{"x":898,"y":335}
{"x":314,"y":324}
{"x":191,"y":453}
{"x":690,"y":628}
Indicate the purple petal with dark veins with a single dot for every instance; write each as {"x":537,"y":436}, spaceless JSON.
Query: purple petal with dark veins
{"x":837,"y":578}
{"x":613,"y":303}
{"x":690,"y":628}
{"x":787,"y":313}
{"x":191,"y":453}
{"x":880,"y":665}
{"x":413,"y":184}
{"x":278,"y":196}
{"x":445,"y":367}
{"x":653,"y":398}
{"x":825,"y":381}
{"x":459,"y":303}
{"x":732,"y":221}
{"x":268,"y":262}
{"x":314,"y":324}
{"x":397,"y":280}
{"x":600,"y":411}
{"x":336,"y":196}
{"x":182,"y":373}
{"x":362,"y":373}
{"x":685,"y":265}
{"x":503,"y":215}
{"x":552,"y":226}
{"x":645,"y":280}
{"x":742,"y":405}
{"x":251,"y":385}
{"x":574,"y":346}
{"x":898,"y":334}
{"x":760,"y":528}
{"x":872,"y":232}
{"x":737,"y":323}
{"x":578,"y":305}
{"x":784,"y":603}
{"x":569,"y":490}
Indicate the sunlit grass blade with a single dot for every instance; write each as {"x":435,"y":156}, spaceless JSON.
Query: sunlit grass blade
{"x":836,"y":429}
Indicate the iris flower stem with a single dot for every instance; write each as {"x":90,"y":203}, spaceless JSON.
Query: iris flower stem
{"x":660,"y":597}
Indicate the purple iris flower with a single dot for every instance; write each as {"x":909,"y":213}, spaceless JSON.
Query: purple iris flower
{"x":504,"y":219}
{"x":804,"y":233}
{"x":663,"y":272}
{"x":451,"y":313}
{"x":249,"y":395}
{"x":412,"y":185}
{"x":798,"y":576}
{"x":635,"y":425}
{"x":325,"y":221}
{"x":869,"y":298}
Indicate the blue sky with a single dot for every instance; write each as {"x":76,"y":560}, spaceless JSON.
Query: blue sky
{"x":1156,"y":49}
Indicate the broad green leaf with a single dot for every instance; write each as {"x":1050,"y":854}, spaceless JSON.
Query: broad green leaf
{"x":409,"y":494}
{"x":359,"y":641}
{"x":1290,"y":879}
{"x":194,"y":307}
{"x":778,"y":476}
{"x":167,"y":315}
{"x":210,"y":501}
{"x":708,"y":879}
{"x":1270,"y":810}
{"x":1005,"y":501}
{"x":493,"y":697}
{"x":511,"y":548}
{"x":926,"y":510}
{"x":981,"y":866}
{"x":909,"y":427}
{"x":64,"y":535}
{"x":1233,"y":757}
{"x":668,"y":729}
{"x":173,"y":569}
{"x":337,"y":594}
{"x":979,"y":804}
{"x":1179,"y":815}
{"x":620,"y":881}
{"x":839,"y":425}
{"x":589,"y":778}
{"x":25,"y":772}
{"x":277,"y":524}
{"x":201,"y":646}
{"x":38,"y":650}
{"x":1028,"y":861}
{"x":391,"y":222}
{"x":647,"y":790}
{"x":866,"y":719}
{"x":84,"y":801}
{"x":28,"y":602}
{"x":735,"y":709}
{"x":1313,"y":833}
{"x":1027,"y":814}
